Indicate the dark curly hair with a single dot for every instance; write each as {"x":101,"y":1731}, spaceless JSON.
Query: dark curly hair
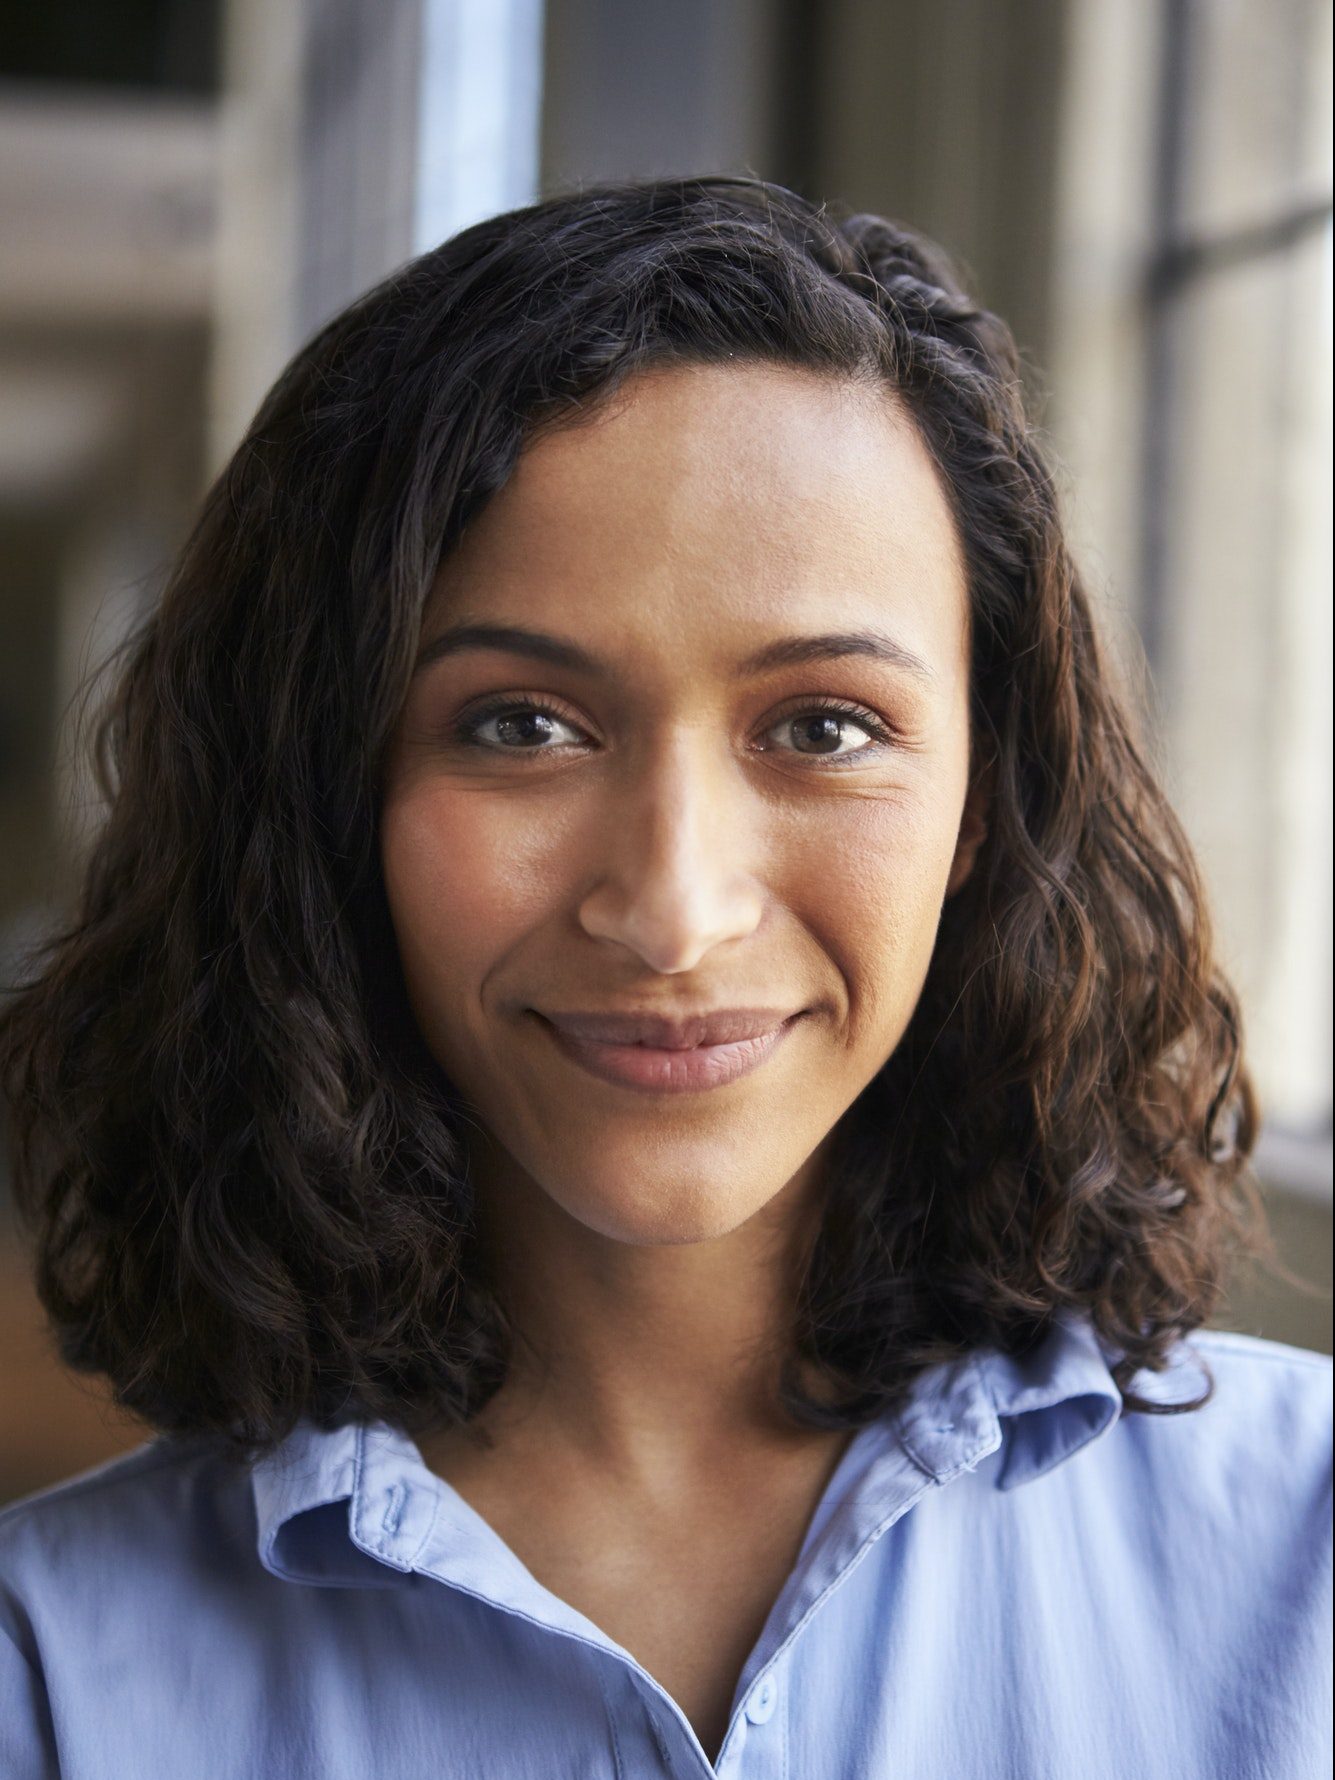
{"x":246,"y":1175}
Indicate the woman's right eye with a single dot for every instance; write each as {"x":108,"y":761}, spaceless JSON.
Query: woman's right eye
{"x":521,"y":726}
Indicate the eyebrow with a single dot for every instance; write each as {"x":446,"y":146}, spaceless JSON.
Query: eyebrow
{"x":561,"y":652}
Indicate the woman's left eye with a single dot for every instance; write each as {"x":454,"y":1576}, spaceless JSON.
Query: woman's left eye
{"x":819,"y":732}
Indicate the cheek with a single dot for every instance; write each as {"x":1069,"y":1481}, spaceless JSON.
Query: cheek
{"x":463,"y":876}
{"x":873,"y":899}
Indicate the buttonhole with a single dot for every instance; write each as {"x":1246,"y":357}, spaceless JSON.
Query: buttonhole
{"x":394,"y":1508}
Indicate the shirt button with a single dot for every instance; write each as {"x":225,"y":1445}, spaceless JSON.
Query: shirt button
{"x":761,"y":1704}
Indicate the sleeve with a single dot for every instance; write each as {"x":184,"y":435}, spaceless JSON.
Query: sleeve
{"x":27,"y":1736}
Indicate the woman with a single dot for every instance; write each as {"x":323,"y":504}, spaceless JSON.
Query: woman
{"x":639,"y":1089}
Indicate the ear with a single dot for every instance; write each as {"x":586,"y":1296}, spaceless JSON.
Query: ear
{"x":973,"y":828}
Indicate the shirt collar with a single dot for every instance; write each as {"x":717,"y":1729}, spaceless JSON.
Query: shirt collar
{"x":1041,"y":1408}
{"x":356,"y":1505}
{"x":348,"y":1506}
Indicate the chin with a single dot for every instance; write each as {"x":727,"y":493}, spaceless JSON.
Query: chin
{"x":660,"y":1219}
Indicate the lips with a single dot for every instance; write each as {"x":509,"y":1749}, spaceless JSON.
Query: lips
{"x":722,"y":1027}
{"x":676,"y":1067}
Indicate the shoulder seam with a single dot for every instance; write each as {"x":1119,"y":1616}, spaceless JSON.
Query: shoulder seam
{"x":1260,"y":1347}
{"x":154,"y":1455}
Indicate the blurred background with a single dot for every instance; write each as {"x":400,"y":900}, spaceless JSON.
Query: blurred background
{"x":1142,"y":187}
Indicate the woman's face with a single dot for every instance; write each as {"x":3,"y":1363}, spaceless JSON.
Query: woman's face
{"x":721,"y":764}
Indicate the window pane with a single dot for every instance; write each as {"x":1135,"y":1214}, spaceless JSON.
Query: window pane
{"x":1245,"y":683}
{"x":1257,"y":110}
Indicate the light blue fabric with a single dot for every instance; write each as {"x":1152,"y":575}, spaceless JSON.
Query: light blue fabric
{"x":1009,"y":1581}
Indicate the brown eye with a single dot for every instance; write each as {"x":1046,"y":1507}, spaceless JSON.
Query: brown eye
{"x":518,"y":727}
{"x":833,"y":732}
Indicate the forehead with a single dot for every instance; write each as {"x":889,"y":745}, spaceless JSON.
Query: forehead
{"x":702,"y":502}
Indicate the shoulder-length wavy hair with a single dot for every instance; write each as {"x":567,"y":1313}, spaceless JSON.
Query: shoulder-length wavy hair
{"x":244,"y":1172}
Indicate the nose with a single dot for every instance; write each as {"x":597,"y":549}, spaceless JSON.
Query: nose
{"x":677,"y":871}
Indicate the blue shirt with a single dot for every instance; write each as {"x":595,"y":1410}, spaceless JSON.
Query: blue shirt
{"x":1006,"y":1579}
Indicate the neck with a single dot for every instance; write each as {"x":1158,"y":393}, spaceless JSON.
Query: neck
{"x":643,"y":1361}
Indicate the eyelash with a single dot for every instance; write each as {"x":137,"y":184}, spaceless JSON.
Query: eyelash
{"x":464,"y":732}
